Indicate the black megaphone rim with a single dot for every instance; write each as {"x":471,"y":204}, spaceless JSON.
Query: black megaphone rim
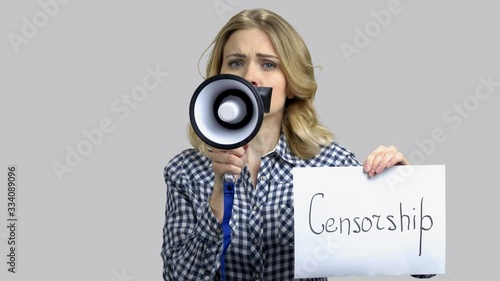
{"x":195,"y":126}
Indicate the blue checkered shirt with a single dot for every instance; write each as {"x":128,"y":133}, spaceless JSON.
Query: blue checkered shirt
{"x":262,"y":238}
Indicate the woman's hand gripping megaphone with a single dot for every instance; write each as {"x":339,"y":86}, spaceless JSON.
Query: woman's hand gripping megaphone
{"x":226,"y":112}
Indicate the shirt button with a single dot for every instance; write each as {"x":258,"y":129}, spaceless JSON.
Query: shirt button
{"x":256,"y":241}
{"x":206,"y":272}
{"x":218,"y":230}
{"x":263,"y":178}
{"x":256,"y":276}
{"x":255,"y":207}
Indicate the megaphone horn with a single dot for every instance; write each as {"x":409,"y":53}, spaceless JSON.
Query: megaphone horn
{"x":226,"y":111}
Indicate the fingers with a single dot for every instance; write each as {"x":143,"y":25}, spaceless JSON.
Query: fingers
{"x":229,"y":161}
{"x":383,"y":157}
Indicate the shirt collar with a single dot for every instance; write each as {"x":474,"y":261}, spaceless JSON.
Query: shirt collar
{"x":283,"y":150}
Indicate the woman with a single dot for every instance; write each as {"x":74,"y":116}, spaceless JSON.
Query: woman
{"x":263,"y":48}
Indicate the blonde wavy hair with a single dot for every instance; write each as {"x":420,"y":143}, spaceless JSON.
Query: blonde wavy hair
{"x":303,"y":131}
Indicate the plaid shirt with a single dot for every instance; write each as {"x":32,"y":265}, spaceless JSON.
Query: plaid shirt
{"x":262,"y":238}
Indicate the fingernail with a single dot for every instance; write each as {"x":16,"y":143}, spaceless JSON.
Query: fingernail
{"x":367,"y":167}
{"x":389,"y":164}
{"x":379,"y":169}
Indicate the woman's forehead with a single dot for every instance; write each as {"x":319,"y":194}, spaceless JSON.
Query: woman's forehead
{"x":249,"y":41}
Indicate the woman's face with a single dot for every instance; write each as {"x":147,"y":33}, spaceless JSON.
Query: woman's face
{"x":250,"y":54}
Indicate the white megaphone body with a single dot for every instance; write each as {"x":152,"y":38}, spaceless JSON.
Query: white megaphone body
{"x":226,"y":111}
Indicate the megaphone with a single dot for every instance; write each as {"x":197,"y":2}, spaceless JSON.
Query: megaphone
{"x":226,"y":111}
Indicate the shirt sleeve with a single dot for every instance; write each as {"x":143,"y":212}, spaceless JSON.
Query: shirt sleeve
{"x":192,"y":236}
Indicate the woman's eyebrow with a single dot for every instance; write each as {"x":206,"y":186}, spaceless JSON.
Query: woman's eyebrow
{"x":260,"y":55}
{"x":238,"y":55}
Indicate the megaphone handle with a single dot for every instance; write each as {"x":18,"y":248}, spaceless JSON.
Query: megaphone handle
{"x":228,"y":178}
{"x":228,"y":185}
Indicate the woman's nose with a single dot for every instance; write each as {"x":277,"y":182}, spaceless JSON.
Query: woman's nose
{"x":251,"y":76}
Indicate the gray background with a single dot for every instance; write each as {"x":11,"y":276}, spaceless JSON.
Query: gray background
{"x":105,"y":218}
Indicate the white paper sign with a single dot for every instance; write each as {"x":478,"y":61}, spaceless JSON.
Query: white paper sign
{"x":349,"y":224}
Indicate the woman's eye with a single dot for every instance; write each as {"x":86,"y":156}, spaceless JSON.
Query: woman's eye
{"x":269,"y":65}
{"x":235,"y":64}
